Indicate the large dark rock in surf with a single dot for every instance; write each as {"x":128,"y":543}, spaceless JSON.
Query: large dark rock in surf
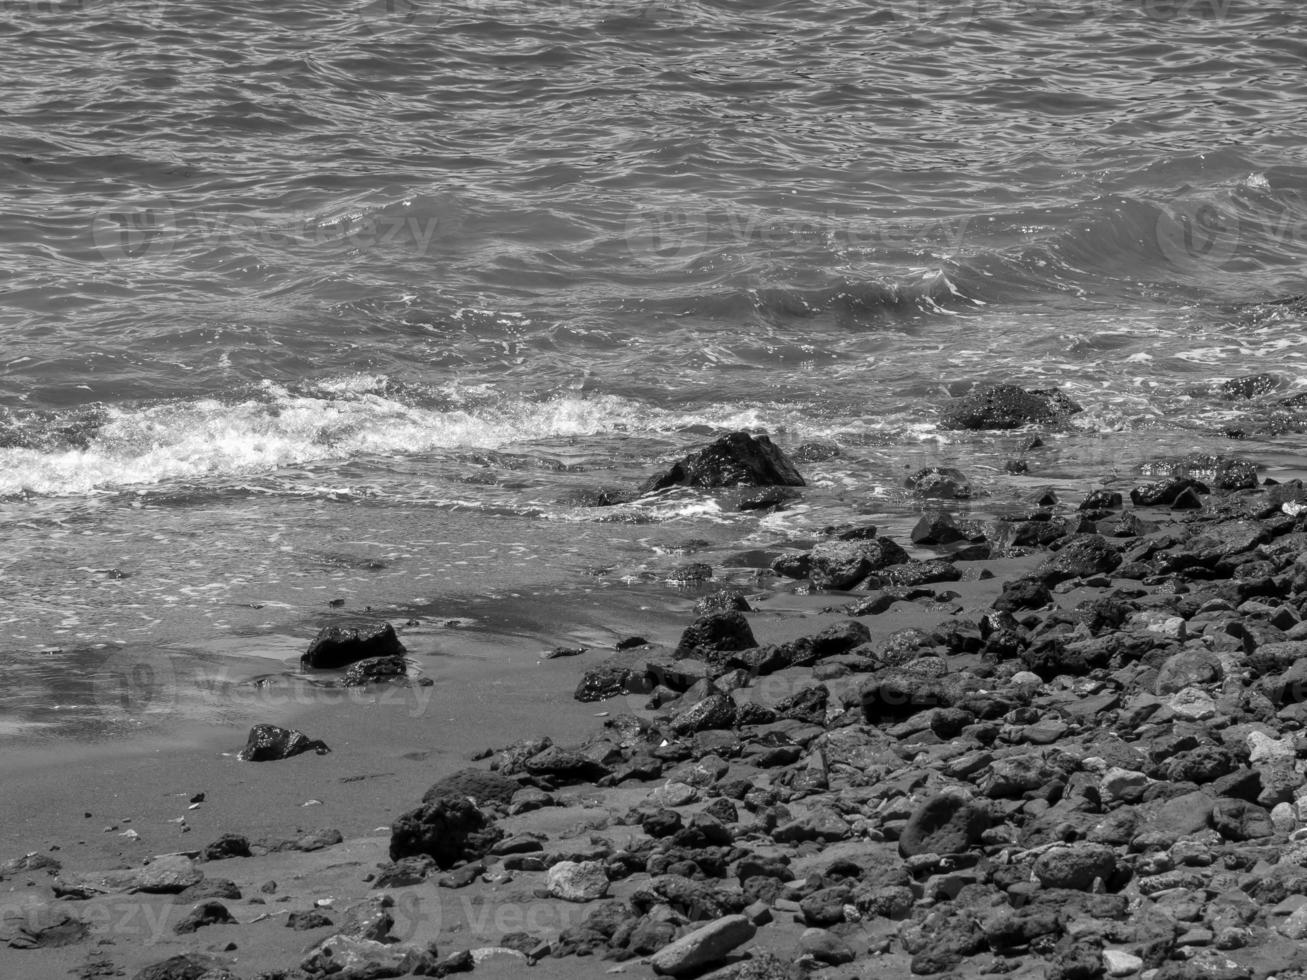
{"x":940,"y":482}
{"x":734,"y":460}
{"x":271,"y":743}
{"x":449,"y":829}
{"x":1217,"y":472}
{"x":374,"y":670}
{"x":340,"y":646}
{"x":1252,"y":386}
{"x":1006,"y":407}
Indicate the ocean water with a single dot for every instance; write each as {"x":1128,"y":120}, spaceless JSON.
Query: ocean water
{"x":317,"y":301}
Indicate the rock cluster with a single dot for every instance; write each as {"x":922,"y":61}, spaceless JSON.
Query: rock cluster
{"x":1091,"y":764}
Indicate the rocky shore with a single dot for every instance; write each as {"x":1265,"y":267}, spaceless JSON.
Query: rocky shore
{"x":1067,"y":742}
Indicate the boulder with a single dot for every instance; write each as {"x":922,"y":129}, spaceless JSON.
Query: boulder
{"x":340,"y":646}
{"x":205,"y":914}
{"x":449,"y":829}
{"x":714,"y":633}
{"x":944,"y":824}
{"x":1006,"y":406}
{"x":940,"y":483}
{"x":704,"y":946}
{"x":737,"y":459}
{"x":343,"y":958}
{"x":937,"y":527}
{"x":479,"y":785}
{"x":843,"y":564}
{"x":271,"y":743}
{"x":1081,"y":556}
{"x":1075,"y":866}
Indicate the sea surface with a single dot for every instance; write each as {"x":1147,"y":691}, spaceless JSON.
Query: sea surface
{"x":310,"y":302}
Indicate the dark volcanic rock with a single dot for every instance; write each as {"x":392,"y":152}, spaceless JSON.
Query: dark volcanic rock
{"x":1239,"y":820}
{"x":719,"y":632}
{"x":449,"y":829}
{"x":186,"y":966}
{"x":940,"y":482}
{"x":944,"y":824}
{"x":270,"y":743}
{"x":476,"y":784}
{"x":715,"y":711}
{"x":1023,"y":593}
{"x":1217,"y":472}
{"x":1251,"y":385}
{"x":1178,"y":492}
{"x":937,"y":527}
{"x":340,"y":646}
{"x":204,"y":914}
{"x":1006,"y":407}
{"x":1081,"y":556}
{"x":893,"y":695}
{"x":362,"y":672}
{"x":227,"y":846}
{"x":737,"y":459}
{"x":604,"y":680}
{"x":843,"y":564}
{"x":564,"y":765}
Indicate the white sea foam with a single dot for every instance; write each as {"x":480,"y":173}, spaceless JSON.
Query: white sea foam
{"x":340,"y":418}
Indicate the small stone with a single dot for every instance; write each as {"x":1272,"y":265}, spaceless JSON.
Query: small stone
{"x":1192,"y":703}
{"x":1127,"y":785}
{"x":1284,"y":817}
{"x":1119,"y":963}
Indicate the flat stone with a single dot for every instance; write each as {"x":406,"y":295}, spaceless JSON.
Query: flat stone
{"x":577,"y":881}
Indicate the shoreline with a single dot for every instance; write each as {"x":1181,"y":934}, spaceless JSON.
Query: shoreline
{"x":850,"y":771}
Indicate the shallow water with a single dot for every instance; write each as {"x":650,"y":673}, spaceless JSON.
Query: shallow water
{"x":291,"y":288}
